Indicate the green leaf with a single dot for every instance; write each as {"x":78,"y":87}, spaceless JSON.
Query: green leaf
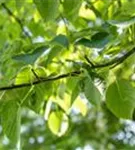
{"x":99,"y":36}
{"x":61,"y":90}
{"x":80,"y":34}
{"x":72,"y":82}
{"x":98,"y":40}
{"x":71,"y":8}
{"x":11,"y":118}
{"x":17,"y":94}
{"x":81,"y":105}
{"x":73,"y":87}
{"x":36,"y":98}
{"x":25,"y":75}
{"x":123,"y":23}
{"x":30,"y":58}
{"x":120,"y":99}
{"x":61,"y":40}
{"x":91,"y":92}
{"x":58,"y":123}
{"x":75,"y":92}
{"x":40,"y":72}
{"x":48,"y":9}
{"x":54,"y":122}
{"x":53,"y":53}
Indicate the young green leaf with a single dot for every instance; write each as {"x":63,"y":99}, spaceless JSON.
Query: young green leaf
{"x":11,"y":118}
{"x":75,"y":92}
{"x":54,"y":127}
{"x":61,"y":40}
{"x":120,"y":99}
{"x":53,"y":53}
{"x":58,"y":123}
{"x":124,"y":23}
{"x":61,"y":90}
{"x":25,"y":75}
{"x":30,"y":58}
{"x":80,"y":105}
{"x":36,"y":98}
{"x":99,"y":40}
{"x":71,"y":8}
{"x":15,"y":95}
{"x":48,"y":9}
{"x":91,"y":92}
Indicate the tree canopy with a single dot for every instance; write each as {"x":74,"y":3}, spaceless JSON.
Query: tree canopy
{"x":67,"y":74}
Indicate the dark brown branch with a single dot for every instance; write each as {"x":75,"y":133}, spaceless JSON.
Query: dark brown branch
{"x":35,"y":74}
{"x":16,"y":19}
{"x":112,"y":63}
{"x":89,"y":61}
{"x":115,"y":61}
{"x":48,"y":79}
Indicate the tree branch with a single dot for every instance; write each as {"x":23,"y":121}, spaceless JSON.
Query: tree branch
{"x":16,"y":19}
{"x":112,"y":63}
{"x":115,"y":61}
{"x":47,"y":79}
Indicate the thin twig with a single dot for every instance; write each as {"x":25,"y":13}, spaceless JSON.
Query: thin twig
{"x":35,"y":74}
{"x":16,"y":19}
{"x":47,"y":79}
{"x":116,"y":61}
{"x":65,"y":23}
{"x":63,"y":19}
{"x":89,"y":61}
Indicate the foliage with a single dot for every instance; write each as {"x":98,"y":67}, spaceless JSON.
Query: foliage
{"x":70,"y":64}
